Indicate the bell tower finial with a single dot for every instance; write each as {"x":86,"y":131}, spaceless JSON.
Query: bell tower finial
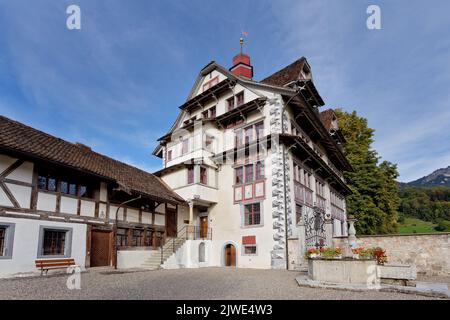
{"x":241,"y":62}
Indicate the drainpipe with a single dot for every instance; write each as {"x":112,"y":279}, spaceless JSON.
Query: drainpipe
{"x":284,"y":180}
{"x":115,"y":227}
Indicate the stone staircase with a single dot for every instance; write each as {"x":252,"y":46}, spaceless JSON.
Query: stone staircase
{"x":169,"y":248}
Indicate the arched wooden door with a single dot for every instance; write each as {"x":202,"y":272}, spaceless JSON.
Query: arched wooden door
{"x":230,"y":255}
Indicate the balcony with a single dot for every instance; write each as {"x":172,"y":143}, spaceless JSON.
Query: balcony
{"x":199,"y":192}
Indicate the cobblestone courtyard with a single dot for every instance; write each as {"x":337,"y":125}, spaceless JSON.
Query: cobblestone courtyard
{"x":206,"y":283}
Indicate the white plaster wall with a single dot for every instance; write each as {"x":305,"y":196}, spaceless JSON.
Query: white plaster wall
{"x":24,"y":173}
{"x":21,"y":193}
{"x":46,"y":202}
{"x":102,"y":210}
{"x":69,"y":205}
{"x":132,"y":215}
{"x":187,"y":256}
{"x":225,"y":221}
{"x":4,"y":200}
{"x":25,"y":246}
{"x":160,"y":219}
{"x":103,"y":192}
{"x":112,"y":213}
{"x":5,"y":162}
{"x":133,"y":258}
{"x":87,"y":208}
{"x":146,"y":217}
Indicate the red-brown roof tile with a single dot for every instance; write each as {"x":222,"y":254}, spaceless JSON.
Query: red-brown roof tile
{"x":23,"y":139}
{"x":287,"y":74}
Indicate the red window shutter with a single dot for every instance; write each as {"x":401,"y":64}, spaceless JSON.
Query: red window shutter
{"x":246,"y":240}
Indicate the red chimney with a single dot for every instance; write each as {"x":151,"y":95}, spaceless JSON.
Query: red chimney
{"x":241,"y":64}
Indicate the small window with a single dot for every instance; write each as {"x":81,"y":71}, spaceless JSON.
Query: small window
{"x":212,"y":112}
{"x":240,"y":98}
{"x":203,"y":175}
{"x":259,"y":172}
{"x":54,"y":242}
{"x":190,"y":177}
{"x":230,"y":104}
{"x":6,"y":240}
{"x":250,"y":249}
{"x":85,"y":191}
{"x":208,"y":142}
{"x":238,"y":140}
{"x":259,"y":128}
{"x":149,"y":238}
{"x":73,"y":189}
{"x":2,"y":241}
{"x":51,"y":184}
{"x":64,"y":187}
{"x":122,"y":237}
{"x":249,"y":173}
{"x":252,"y":214}
{"x":169,"y":155}
{"x":249,"y":134}
{"x":138,"y":238}
{"x":298,"y":213}
{"x":201,"y":252}
{"x":239,"y":175}
{"x":185,"y":146}
{"x":205,"y":114}
{"x":42,"y":183}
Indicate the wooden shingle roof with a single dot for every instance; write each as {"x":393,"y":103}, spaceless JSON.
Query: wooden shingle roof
{"x":19,"y":138}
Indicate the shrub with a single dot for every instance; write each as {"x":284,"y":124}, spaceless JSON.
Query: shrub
{"x":331,"y":253}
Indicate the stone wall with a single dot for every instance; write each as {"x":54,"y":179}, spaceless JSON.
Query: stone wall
{"x":429,"y":252}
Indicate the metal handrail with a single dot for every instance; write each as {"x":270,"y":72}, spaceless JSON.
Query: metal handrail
{"x":184,"y":234}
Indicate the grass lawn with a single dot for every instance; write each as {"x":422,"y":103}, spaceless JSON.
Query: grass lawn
{"x":413,"y":225}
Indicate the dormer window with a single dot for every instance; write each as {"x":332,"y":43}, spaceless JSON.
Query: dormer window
{"x":240,"y":98}
{"x":212,"y":112}
{"x":230,"y":104}
{"x":185,"y":146}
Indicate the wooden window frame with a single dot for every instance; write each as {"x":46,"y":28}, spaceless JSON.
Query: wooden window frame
{"x":240,"y":102}
{"x":67,"y":242}
{"x":247,"y":246}
{"x":205,"y":176}
{"x":189,"y":176}
{"x":253,"y":215}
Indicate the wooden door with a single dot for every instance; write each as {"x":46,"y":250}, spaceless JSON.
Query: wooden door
{"x":230,"y":256}
{"x":100,"y":248}
{"x":171,"y":222}
{"x":203,"y":227}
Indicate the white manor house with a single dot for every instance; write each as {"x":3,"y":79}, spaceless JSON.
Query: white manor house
{"x":252,"y":176}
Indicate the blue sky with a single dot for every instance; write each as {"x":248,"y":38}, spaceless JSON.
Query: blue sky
{"x":116,"y":84}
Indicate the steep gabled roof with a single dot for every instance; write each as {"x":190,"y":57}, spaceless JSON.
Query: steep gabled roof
{"x":327,"y":117}
{"x":19,"y":138}
{"x":286,"y":75}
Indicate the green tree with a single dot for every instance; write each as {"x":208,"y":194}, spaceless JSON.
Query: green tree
{"x":375,"y":199}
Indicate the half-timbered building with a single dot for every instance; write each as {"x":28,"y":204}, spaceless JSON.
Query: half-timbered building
{"x":63,"y":200}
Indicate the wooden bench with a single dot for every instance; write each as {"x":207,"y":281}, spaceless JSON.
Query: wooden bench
{"x":47,"y":264}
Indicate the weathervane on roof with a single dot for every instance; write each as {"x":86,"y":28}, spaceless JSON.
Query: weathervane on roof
{"x":241,"y":40}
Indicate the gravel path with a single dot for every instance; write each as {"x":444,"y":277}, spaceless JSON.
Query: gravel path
{"x":205,"y":283}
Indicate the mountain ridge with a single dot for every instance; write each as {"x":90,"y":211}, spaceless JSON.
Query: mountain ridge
{"x":439,"y":177}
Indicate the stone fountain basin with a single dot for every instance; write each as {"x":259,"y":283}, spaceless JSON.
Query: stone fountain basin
{"x":343,"y":271}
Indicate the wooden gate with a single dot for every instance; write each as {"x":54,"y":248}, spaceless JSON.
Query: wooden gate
{"x":171,"y":222}
{"x":100,"y":248}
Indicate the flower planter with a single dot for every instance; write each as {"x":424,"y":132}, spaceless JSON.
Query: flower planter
{"x":344,"y":271}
